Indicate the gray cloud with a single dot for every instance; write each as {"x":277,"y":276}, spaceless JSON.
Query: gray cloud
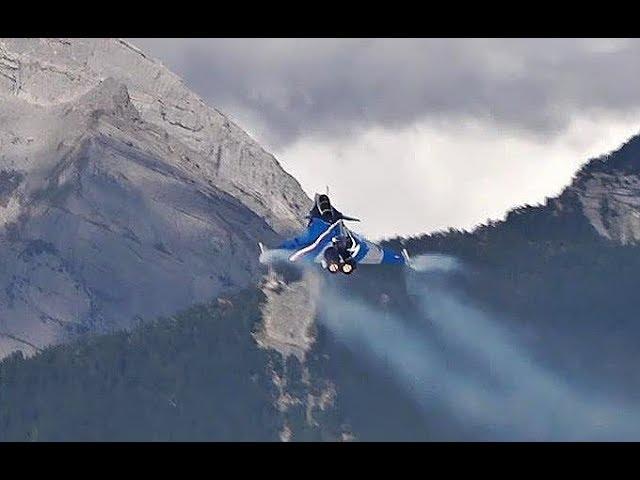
{"x":455,"y":131}
{"x":288,"y":88}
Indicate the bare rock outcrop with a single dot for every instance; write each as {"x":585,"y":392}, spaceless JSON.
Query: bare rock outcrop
{"x":105,"y":221}
{"x":122,"y":195}
{"x":52,"y":71}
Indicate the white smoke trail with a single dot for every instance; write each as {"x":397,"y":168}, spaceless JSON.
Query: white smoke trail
{"x":436,"y":262}
{"x":274,"y":256}
{"x":529,"y":402}
{"x":506,"y":394}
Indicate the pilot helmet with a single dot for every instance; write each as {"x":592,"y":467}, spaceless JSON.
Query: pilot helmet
{"x":323,"y":204}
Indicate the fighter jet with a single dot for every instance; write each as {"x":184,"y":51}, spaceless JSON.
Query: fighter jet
{"x":329,"y":242}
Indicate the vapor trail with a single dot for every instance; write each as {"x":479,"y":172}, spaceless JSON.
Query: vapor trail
{"x":505,"y":394}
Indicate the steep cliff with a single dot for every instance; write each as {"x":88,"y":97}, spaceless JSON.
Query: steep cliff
{"x":122,"y":196}
{"x":50,"y":71}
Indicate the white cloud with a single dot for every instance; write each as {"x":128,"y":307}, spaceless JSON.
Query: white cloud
{"x":429,"y":177}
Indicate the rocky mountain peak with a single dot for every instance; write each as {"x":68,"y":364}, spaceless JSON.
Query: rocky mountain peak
{"x":123,"y":197}
{"x":45,"y":72}
{"x":608,"y":189}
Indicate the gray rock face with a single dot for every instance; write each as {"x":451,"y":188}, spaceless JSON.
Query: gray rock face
{"x":122,"y":196}
{"x":612,"y":205}
{"x":51,"y":71}
{"x":288,"y":314}
{"x":607,"y":193}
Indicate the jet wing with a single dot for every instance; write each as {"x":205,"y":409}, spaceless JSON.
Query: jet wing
{"x":371,"y":253}
{"x":311,"y":244}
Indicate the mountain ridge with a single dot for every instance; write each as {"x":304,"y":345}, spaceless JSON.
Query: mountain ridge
{"x":110,"y":219}
{"x":122,"y":195}
{"x":601,"y":202}
{"x":50,"y":71}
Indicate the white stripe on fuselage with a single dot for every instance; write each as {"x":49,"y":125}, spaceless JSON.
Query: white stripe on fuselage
{"x":309,"y":248}
{"x":353,"y":251}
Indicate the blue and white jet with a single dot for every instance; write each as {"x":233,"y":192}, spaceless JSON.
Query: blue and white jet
{"x":329,"y":242}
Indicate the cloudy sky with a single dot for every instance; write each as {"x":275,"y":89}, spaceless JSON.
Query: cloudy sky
{"x":417,"y":135}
